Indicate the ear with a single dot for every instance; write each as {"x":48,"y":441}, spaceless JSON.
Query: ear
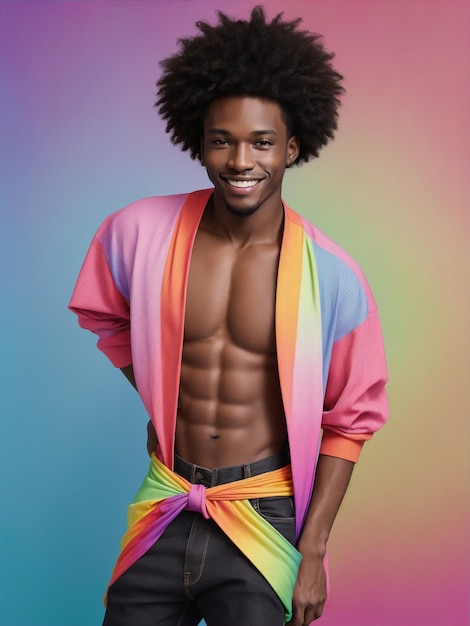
{"x":293,"y":149}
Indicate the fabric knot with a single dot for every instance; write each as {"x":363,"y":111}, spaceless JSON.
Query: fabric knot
{"x":197,"y":500}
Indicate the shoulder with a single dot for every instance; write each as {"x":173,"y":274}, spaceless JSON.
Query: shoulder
{"x":345,"y":295}
{"x":336,"y":268}
{"x":144,"y":213}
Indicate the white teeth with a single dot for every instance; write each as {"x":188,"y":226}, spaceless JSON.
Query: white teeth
{"x":242,"y":183}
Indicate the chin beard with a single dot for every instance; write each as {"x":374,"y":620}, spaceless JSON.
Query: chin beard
{"x":242,"y":212}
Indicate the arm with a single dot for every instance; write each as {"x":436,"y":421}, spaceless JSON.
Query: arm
{"x":152,"y":440}
{"x":331,"y":482}
{"x":101,"y":307}
{"x":128,"y":372}
{"x":355,"y":407}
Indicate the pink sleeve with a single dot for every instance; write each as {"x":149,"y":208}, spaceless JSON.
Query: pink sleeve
{"x":355,"y":400}
{"x":102,"y":308}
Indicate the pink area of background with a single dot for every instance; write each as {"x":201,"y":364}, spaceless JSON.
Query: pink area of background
{"x":80,"y":139}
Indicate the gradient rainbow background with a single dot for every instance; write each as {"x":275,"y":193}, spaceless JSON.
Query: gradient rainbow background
{"x":80,"y":139}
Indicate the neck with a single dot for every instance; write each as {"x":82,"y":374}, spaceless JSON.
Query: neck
{"x":264,"y":226}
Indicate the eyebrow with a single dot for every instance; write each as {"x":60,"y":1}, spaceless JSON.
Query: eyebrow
{"x":256,"y":133}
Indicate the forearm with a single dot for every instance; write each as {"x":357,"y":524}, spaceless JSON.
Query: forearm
{"x":331,"y":482}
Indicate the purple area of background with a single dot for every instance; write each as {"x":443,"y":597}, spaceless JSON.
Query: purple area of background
{"x":80,"y":139}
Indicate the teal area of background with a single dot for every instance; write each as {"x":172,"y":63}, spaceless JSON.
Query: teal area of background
{"x":79,"y":140}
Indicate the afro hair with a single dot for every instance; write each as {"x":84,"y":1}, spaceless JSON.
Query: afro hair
{"x":271,"y":60}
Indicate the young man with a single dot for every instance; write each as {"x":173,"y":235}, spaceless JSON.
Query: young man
{"x":253,"y":340}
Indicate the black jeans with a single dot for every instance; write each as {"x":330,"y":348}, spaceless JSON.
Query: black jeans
{"x":194,"y":571}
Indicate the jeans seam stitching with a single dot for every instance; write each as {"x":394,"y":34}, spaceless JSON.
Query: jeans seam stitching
{"x":203,"y":558}
{"x":188,"y":582}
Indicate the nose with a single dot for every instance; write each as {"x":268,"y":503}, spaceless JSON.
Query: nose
{"x":241,"y":158}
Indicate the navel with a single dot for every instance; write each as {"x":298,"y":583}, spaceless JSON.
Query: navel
{"x":213,"y":436}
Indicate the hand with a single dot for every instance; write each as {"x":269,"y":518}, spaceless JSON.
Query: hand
{"x":309,"y":592}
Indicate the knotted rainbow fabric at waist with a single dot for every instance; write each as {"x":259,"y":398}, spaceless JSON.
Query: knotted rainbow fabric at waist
{"x":164,"y":494}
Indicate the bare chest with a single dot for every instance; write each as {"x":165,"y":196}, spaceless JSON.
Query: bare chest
{"x":231,"y":294}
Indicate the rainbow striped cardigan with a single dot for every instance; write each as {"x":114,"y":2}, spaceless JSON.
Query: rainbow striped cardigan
{"x":330,"y":350}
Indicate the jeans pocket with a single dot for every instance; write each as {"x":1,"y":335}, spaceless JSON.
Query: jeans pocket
{"x":280,"y":513}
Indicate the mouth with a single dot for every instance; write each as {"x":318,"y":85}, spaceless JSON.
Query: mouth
{"x":242,"y":184}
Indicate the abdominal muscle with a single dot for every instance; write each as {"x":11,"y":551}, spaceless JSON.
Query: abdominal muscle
{"x":230,"y":410}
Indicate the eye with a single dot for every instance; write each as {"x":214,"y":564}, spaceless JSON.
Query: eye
{"x":220,"y":142}
{"x":263,"y":143}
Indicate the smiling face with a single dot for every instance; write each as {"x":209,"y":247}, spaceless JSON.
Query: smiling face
{"x":246,"y":149}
